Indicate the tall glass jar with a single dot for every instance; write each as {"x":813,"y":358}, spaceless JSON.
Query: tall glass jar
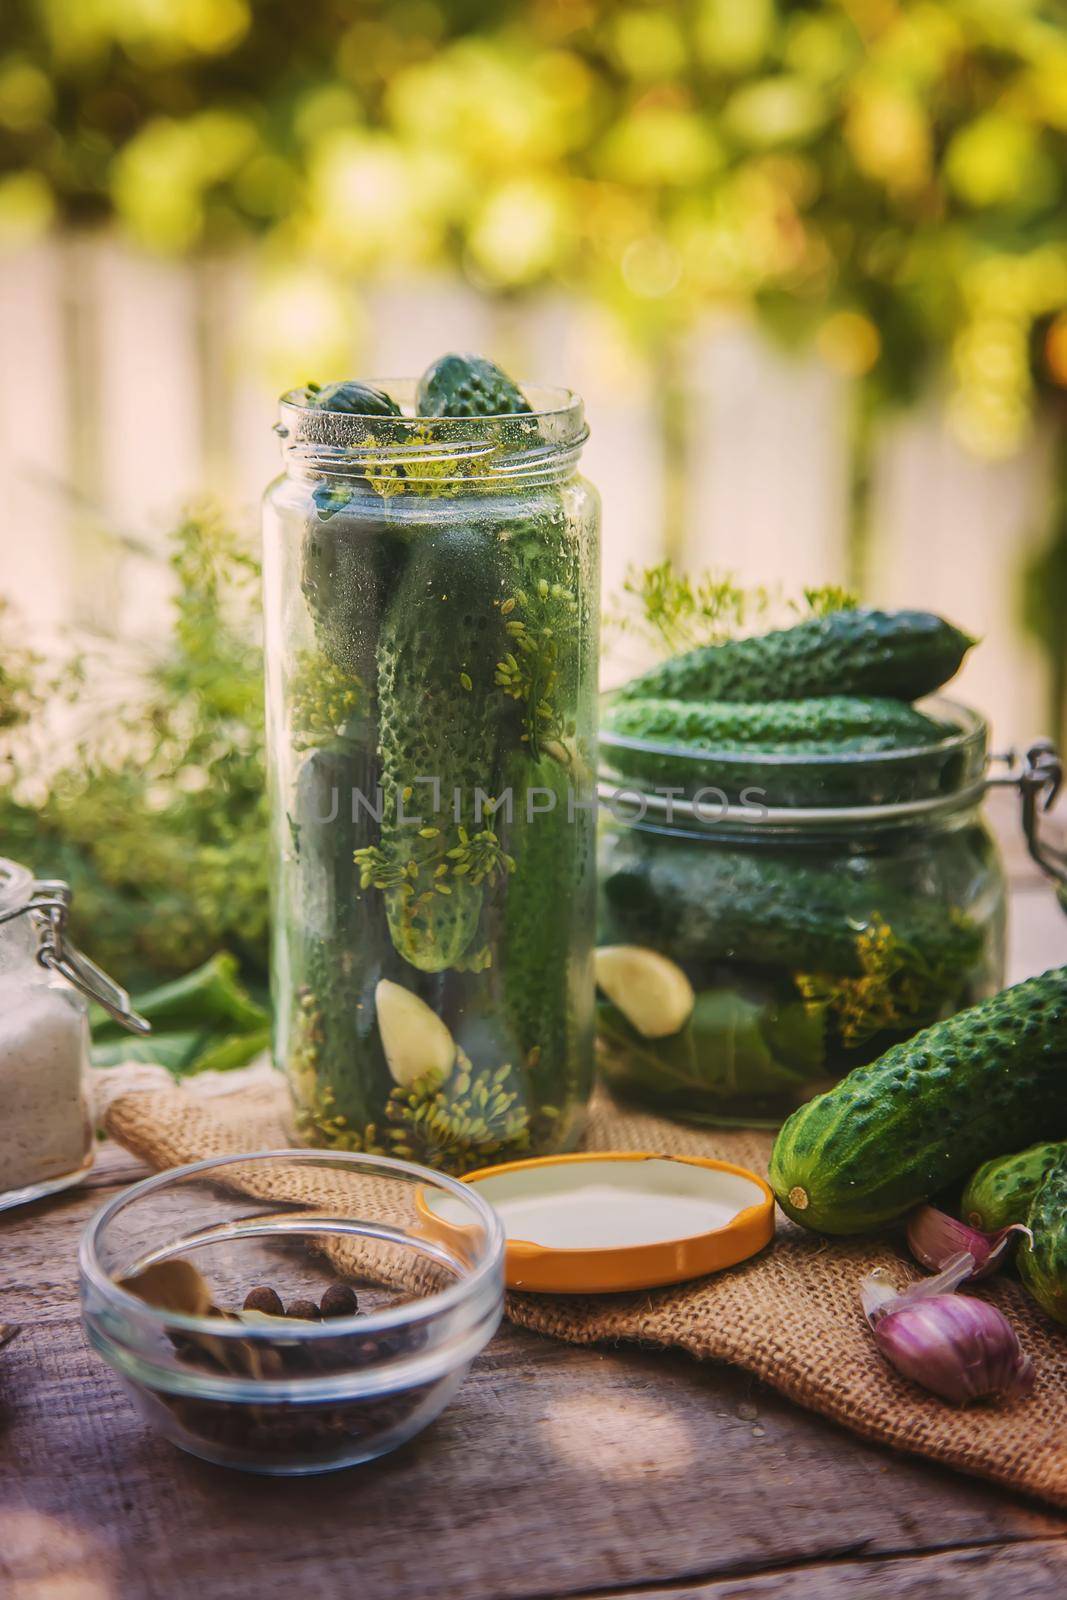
{"x":431,"y":600}
{"x":768,"y":922}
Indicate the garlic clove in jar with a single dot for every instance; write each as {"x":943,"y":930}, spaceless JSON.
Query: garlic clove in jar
{"x":653,"y":994}
{"x":414,"y":1038}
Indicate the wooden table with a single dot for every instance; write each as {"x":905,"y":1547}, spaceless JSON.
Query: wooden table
{"x":557,"y":1471}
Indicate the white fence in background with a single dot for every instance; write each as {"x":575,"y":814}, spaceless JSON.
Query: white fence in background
{"x":130,"y":385}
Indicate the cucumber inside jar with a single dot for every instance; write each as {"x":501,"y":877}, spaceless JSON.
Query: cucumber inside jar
{"x":802,"y":961}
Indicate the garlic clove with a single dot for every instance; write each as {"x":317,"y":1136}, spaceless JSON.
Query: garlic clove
{"x":653,"y":994}
{"x":880,"y":1298}
{"x":960,"y":1348}
{"x":414,"y":1038}
{"x":935,"y":1238}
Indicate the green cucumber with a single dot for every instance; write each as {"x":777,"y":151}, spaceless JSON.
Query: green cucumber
{"x":900,"y":654}
{"x":328,"y":1038}
{"x":534,"y":959}
{"x":546,"y":625}
{"x":702,"y":900}
{"x":1042,"y":1259}
{"x":467,"y":386}
{"x":546,"y":991}
{"x":1001,"y":1191}
{"x":353,"y":398}
{"x":438,"y":719}
{"x":901,"y":1129}
{"x":817,"y":727}
{"x":352,"y":552}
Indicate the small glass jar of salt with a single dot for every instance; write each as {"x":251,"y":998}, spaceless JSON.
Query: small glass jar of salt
{"x":46,"y":1128}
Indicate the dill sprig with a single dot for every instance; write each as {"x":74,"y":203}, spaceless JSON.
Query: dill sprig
{"x":676,"y":612}
{"x":897,"y":988}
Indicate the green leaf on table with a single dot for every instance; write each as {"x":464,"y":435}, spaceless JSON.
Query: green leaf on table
{"x":184,"y":1053}
{"x":205,"y":1021}
{"x":175,"y":1051}
{"x":211,"y":997}
{"x":237,"y":1050}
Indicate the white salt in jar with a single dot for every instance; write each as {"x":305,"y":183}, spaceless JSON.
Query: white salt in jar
{"x":46,"y":1129}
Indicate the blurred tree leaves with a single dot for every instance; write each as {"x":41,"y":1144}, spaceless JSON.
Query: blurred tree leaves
{"x":895,"y":165}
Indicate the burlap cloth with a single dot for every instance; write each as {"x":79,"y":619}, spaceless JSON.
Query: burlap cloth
{"x":791,"y":1315}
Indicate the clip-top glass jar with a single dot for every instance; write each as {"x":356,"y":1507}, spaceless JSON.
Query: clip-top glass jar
{"x":768,"y":922}
{"x":46,"y":1130}
{"x":431,"y":598}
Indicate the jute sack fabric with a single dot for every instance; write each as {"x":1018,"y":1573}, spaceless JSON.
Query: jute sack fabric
{"x":791,"y":1315}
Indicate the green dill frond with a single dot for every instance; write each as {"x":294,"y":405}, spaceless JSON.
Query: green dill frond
{"x":676,"y":612}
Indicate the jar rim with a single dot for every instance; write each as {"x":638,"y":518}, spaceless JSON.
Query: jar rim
{"x":540,"y":444}
{"x":773,"y":819}
{"x":962,"y":753}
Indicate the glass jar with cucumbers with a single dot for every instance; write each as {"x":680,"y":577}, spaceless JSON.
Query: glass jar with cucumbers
{"x":795,"y":872}
{"x":431,"y":595}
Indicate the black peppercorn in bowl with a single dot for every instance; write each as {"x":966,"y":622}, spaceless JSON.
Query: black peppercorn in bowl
{"x":291,"y":1311}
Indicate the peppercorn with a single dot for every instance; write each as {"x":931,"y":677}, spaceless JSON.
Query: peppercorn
{"x":339,"y":1301}
{"x":265,"y":1299}
{"x":304,"y":1311}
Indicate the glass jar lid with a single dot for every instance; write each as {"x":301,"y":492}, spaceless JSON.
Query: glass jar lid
{"x":654,"y":782}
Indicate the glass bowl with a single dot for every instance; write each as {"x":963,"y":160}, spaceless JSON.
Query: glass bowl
{"x":166,"y":1269}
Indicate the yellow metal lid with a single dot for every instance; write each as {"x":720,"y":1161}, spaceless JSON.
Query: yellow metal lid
{"x":621,"y":1219}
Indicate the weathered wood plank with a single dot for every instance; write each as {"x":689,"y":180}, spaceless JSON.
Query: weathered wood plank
{"x":1036,"y":1570}
{"x":557,"y":1471}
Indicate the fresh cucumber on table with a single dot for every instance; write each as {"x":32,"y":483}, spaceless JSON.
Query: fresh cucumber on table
{"x":904,"y":1127}
{"x":1001,"y":1192}
{"x":1042,"y":1258}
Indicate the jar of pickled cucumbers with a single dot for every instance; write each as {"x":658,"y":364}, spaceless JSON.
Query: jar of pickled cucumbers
{"x":431,"y":594}
{"x":768,"y":922}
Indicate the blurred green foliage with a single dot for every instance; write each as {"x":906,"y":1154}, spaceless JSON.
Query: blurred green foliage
{"x":884,"y":177}
{"x":156,"y":814}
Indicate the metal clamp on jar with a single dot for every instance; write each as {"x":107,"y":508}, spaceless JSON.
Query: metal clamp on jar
{"x":1038,"y":778}
{"x":46,"y":983}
